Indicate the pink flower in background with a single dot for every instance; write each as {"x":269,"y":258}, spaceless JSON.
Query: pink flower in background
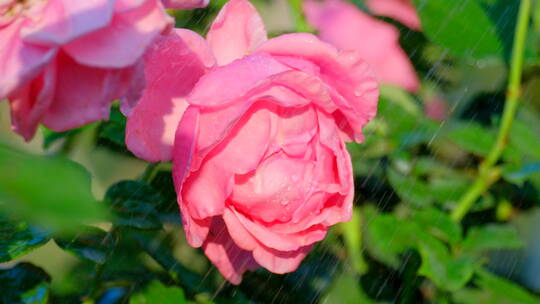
{"x":436,"y":108}
{"x":255,"y":129}
{"x":401,"y":10}
{"x":377,"y":42}
{"x":64,"y":61}
{"x":184,"y":4}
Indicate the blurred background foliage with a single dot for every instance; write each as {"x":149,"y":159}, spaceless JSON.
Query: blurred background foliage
{"x":83,"y":221}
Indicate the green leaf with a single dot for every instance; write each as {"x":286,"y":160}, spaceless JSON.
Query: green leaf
{"x":114,"y":128}
{"x":478,"y":140}
{"x":18,"y":238}
{"x":134,"y":204}
{"x":91,"y":244}
{"x":24,"y":284}
{"x":154,"y":244}
{"x":463,"y":27}
{"x":438,"y":224}
{"x":402,"y":99}
{"x":449,"y":189}
{"x":437,"y":264}
{"x":504,"y":15}
{"x":347,"y":290}
{"x":488,"y":1}
{"x":432,"y":167}
{"x":473,"y":138}
{"x":494,"y":289}
{"x":132,"y":190}
{"x":525,"y":139}
{"x":156,"y":292}
{"x":491,"y":237}
{"x":519,"y":174}
{"x":52,"y":191}
{"x":476,"y":296}
{"x":410,"y":189}
{"x":387,"y":237}
{"x":505,"y":290}
{"x":136,"y":214}
{"x":408,"y":128}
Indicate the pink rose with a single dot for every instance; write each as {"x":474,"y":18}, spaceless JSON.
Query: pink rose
{"x":184,"y":4}
{"x":401,"y":10}
{"x":255,"y":130}
{"x":377,"y":42}
{"x":64,"y":61}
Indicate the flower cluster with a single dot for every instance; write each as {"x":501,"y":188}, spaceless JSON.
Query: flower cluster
{"x":255,"y":127}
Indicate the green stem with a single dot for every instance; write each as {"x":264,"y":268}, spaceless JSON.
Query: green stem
{"x":152,"y":170}
{"x":487,"y":175}
{"x":299,"y":18}
{"x":481,"y":185}
{"x":352,"y":235}
{"x":149,"y":172}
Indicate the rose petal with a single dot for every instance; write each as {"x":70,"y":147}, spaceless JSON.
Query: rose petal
{"x":224,"y":84}
{"x":237,"y":231}
{"x":401,"y":10}
{"x":275,"y":189}
{"x":397,"y":69}
{"x":171,"y":71}
{"x":184,"y":146}
{"x":207,"y":188}
{"x":297,"y":127}
{"x":274,"y":260}
{"x":349,"y":80}
{"x":196,"y":230}
{"x":193,"y":41}
{"x":184,"y":4}
{"x":20,"y":62}
{"x":62,"y":21}
{"x":216,"y":124}
{"x":197,"y":45}
{"x":205,"y":191}
{"x":83,"y":94}
{"x":367,"y":36}
{"x":231,"y":261}
{"x":29,"y":103}
{"x":279,"y":241}
{"x":245,"y":145}
{"x":329,"y":138}
{"x":237,"y":30}
{"x":122,"y":6}
{"x":293,"y":89}
{"x":135,"y":90}
{"x":280,"y":262}
{"x":124,"y":40}
{"x":338,"y":209}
